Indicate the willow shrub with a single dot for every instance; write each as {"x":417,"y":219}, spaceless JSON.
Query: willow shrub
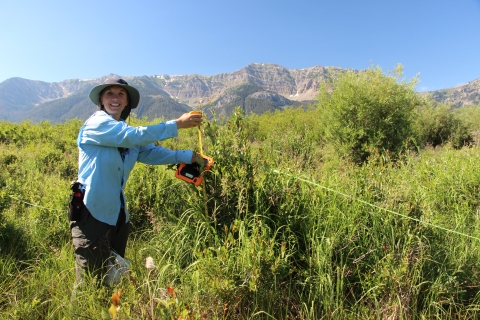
{"x":366,"y":111}
{"x":438,"y":125}
{"x":469,"y":116}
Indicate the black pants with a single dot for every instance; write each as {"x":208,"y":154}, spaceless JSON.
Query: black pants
{"x":93,"y":241}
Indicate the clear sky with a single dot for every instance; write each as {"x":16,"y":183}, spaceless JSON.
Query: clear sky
{"x":55,"y":40}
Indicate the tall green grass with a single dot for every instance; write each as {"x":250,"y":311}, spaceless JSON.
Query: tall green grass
{"x":285,"y":230}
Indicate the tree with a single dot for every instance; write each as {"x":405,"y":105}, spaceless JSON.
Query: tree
{"x":368,"y":111}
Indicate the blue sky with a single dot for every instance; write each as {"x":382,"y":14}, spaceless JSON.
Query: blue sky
{"x":54,"y":40}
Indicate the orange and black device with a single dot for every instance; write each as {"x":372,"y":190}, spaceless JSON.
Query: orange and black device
{"x":192,"y":173}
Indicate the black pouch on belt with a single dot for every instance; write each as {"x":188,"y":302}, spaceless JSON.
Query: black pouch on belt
{"x":76,"y":202}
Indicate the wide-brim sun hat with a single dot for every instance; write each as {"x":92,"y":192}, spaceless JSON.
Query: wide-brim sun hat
{"x":133,"y":94}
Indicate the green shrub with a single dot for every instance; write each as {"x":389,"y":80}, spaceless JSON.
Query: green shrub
{"x":438,"y":125}
{"x":365,"y":111}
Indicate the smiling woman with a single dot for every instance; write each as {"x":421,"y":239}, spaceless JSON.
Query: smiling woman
{"x":108,"y":150}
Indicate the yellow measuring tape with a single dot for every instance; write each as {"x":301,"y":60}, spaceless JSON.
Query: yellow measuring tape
{"x":201,"y":153}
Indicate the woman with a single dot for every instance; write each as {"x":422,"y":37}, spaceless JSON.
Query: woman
{"x":108,"y":151}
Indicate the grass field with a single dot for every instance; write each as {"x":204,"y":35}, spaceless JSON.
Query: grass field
{"x":286,"y":229}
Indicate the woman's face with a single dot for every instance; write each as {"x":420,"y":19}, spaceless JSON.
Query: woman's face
{"x":114,"y":99}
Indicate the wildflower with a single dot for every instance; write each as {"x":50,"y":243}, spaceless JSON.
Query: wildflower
{"x":114,"y":308}
{"x":150,"y":264}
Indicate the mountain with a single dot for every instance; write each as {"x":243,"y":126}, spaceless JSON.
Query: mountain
{"x":257,"y":88}
{"x":22,"y":99}
{"x":467,"y":94}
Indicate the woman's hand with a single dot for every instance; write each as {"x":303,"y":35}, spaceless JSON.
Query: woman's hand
{"x":198,"y":159}
{"x":189,"y":120}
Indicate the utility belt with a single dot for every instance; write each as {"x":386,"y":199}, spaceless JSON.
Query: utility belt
{"x":76,"y":201}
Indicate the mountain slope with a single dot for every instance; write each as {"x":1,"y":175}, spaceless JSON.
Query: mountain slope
{"x":257,"y":88}
{"x":468,"y":94}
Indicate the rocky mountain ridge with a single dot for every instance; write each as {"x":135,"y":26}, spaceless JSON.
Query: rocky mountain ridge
{"x":467,"y":94}
{"x":256,"y":88}
{"x":293,"y":84}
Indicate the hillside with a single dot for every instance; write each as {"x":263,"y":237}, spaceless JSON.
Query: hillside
{"x":257,"y":88}
{"x":467,"y":94}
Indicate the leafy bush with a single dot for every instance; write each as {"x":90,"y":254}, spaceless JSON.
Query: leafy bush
{"x":368,"y":110}
{"x":469,"y":116}
{"x":438,"y":125}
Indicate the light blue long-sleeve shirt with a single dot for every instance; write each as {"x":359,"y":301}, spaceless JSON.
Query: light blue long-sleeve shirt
{"x":104,"y":172}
